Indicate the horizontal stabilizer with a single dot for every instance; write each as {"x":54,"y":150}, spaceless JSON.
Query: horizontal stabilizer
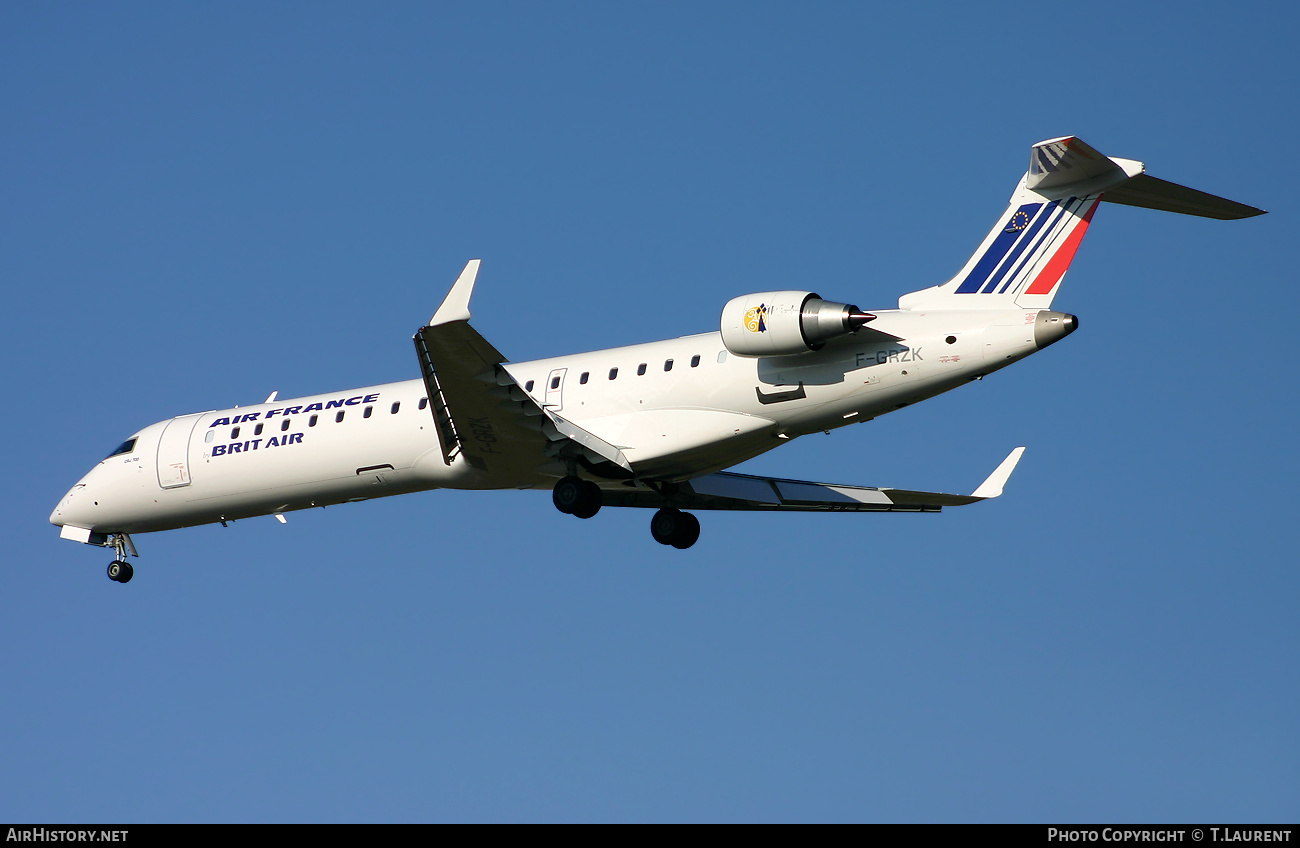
{"x":1068,"y":165}
{"x":1154,"y":193}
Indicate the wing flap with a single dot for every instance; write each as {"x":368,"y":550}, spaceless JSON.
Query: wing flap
{"x":794,"y":492}
{"x":746,"y":492}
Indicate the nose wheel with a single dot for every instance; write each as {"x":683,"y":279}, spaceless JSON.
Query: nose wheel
{"x":120,"y":572}
{"x":674,"y":527}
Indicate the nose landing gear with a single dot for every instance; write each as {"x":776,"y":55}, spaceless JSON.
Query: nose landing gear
{"x":119,"y":570}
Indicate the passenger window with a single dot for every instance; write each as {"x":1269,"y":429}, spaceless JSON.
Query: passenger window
{"x":366,"y":414}
{"x":640,"y":370}
{"x":397,"y":404}
{"x":257,"y":431}
{"x":424,"y":402}
{"x":613,"y":372}
{"x":234,"y":433}
{"x":211,"y":433}
{"x":311,"y":422}
{"x":284,"y":425}
{"x":668,"y":365}
{"x":583,"y":379}
{"x":695,"y":361}
{"x":528,"y":387}
{"x":722,"y":356}
{"x":338,"y":418}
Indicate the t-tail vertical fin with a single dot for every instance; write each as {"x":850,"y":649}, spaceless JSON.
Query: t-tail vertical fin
{"x":1021,"y":262}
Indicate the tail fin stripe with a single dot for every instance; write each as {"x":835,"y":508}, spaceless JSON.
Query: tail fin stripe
{"x":1016,"y":278}
{"x":1060,"y":261}
{"x":1043,"y":218}
{"x":1042,"y":165}
{"x":998,"y":249}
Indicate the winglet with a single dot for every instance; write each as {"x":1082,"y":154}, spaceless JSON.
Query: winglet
{"x":455,"y":307}
{"x":992,"y":487}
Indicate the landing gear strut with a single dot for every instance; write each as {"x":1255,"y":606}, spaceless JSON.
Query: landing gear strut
{"x":575,"y":496}
{"x":119,"y":570}
{"x":674,"y":527}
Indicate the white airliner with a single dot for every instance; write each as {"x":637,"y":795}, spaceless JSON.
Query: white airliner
{"x":649,"y":425}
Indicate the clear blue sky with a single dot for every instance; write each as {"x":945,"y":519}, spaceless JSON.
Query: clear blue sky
{"x":205,"y":202}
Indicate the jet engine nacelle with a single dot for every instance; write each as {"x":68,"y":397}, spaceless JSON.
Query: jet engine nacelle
{"x":786,"y":322}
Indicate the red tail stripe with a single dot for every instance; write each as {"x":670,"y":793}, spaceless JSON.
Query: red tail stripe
{"x":1060,"y":261}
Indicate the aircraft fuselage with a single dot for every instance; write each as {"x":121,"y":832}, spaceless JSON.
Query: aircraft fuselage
{"x":381,"y":440}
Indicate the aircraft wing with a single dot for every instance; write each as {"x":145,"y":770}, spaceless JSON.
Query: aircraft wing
{"x":479,"y":411}
{"x":725,"y":490}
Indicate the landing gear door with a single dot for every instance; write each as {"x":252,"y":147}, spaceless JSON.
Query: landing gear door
{"x":555,"y":389}
{"x":174,"y":450}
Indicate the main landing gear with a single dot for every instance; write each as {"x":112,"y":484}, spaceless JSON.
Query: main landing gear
{"x":119,"y":570}
{"x":574,"y":496}
{"x":674,"y":527}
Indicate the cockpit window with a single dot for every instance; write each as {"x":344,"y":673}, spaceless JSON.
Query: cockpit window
{"x":124,"y":448}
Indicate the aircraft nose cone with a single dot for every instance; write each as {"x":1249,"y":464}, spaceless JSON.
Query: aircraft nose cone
{"x":58,"y":517}
{"x":1051,"y":327}
{"x":68,"y":510}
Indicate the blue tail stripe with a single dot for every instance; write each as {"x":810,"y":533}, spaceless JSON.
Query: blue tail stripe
{"x":975,"y":280}
{"x":1020,"y":247}
{"x":1047,"y":234}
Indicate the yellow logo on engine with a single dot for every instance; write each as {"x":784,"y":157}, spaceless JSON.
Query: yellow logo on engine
{"x":756,"y":319}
